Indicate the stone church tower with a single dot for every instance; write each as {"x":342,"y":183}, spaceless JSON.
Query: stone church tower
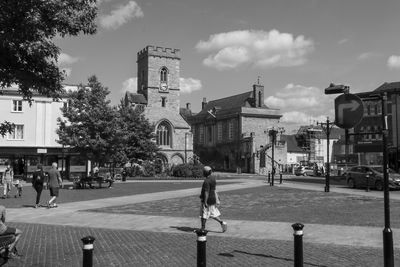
{"x":158,"y":76}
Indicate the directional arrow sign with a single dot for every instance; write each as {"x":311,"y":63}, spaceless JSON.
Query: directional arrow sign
{"x":349,"y":110}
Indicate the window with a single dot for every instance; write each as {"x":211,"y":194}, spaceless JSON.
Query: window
{"x":17,"y":134}
{"x":164,"y":75}
{"x":209,"y":133}
{"x":163,"y":100}
{"x":163,"y":134}
{"x":17,"y":106}
{"x":259,"y":99}
{"x":230,"y":129}
{"x":219,"y":131}
{"x":201,"y":130}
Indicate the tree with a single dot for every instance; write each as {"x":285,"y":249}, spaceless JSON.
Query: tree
{"x":137,"y":132}
{"x":28,"y":55}
{"x":90,"y":124}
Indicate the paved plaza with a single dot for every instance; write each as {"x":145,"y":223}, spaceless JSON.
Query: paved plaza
{"x":151,"y":223}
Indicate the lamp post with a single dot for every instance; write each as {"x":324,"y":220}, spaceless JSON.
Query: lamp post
{"x":327,"y":129}
{"x":272,"y":133}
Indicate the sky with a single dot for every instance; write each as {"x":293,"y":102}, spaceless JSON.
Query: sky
{"x":296,"y":48}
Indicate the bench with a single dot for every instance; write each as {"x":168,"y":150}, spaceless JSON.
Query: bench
{"x":89,"y":181}
{"x":5,"y":241}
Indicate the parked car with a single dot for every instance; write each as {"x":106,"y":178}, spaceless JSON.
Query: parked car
{"x":359,"y":176}
{"x":304,"y":170}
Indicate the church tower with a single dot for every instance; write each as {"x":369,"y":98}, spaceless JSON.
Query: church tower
{"x":158,"y":77}
{"x":158,"y":82}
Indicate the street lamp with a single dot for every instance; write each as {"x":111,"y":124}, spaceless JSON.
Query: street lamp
{"x":327,"y":129}
{"x":273,"y":132}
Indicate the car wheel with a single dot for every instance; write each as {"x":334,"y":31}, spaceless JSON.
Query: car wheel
{"x":379,"y":185}
{"x":351,"y":183}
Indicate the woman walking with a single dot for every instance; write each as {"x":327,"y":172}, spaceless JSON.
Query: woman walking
{"x":37,"y":182}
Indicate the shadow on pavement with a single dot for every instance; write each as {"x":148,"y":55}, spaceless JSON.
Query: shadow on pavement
{"x":264,"y":255}
{"x":190,"y":229}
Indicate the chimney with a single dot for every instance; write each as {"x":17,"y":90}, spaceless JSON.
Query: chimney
{"x":258,"y":95}
{"x":204,"y":103}
{"x":188,"y":106}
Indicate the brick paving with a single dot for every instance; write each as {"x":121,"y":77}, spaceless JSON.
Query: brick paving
{"x":48,"y":240}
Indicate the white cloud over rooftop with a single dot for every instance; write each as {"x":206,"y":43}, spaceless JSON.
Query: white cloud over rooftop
{"x":393,"y":62}
{"x":255,"y":48}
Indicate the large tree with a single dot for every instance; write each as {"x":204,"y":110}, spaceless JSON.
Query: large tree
{"x":90,"y":124}
{"x":28,"y":54}
{"x":137,"y":133}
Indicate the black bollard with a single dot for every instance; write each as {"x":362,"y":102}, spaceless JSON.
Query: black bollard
{"x":269,"y":177}
{"x":280,"y":178}
{"x":201,"y":247}
{"x":88,"y":251}
{"x":298,"y":244}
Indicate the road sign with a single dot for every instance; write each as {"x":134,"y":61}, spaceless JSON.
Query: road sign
{"x":349,"y":110}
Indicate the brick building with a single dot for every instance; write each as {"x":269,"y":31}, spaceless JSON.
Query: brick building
{"x":234,"y":132}
{"x":158,"y":73}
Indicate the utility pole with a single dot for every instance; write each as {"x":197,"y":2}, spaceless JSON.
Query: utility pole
{"x":272,"y":133}
{"x":327,"y":126}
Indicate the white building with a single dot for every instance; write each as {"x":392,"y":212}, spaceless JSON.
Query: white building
{"x":34,"y":139}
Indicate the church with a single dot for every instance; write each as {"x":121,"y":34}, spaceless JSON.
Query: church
{"x":158,"y":83}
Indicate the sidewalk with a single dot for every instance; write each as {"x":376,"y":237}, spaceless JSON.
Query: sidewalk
{"x":74,"y":214}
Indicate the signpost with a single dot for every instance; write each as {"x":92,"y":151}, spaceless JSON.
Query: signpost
{"x":349,"y":110}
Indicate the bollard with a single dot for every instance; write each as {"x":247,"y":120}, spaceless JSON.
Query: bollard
{"x":201,"y":247}
{"x":280,"y":178}
{"x":88,"y":251}
{"x":298,"y":244}
{"x":367,"y":176}
{"x":269,"y":177}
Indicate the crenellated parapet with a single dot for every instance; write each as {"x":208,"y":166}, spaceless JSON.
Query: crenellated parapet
{"x":159,"y":51}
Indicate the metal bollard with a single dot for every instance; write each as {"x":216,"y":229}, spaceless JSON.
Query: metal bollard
{"x":298,"y":244}
{"x":269,"y":177}
{"x":280,"y":178}
{"x":201,"y":247}
{"x":367,"y":176}
{"x":88,"y":251}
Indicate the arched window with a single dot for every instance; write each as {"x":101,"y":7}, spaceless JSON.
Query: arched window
{"x":164,"y":75}
{"x":164,"y":134}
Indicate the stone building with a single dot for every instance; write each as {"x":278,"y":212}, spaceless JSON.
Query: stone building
{"x":233,"y":133}
{"x":158,"y":73}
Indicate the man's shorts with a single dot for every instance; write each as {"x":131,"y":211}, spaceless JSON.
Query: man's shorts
{"x":211,"y":211}
{"x":54,"y":191}
{"x":10,"y":231}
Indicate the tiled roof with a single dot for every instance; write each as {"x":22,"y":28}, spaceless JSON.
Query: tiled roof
{"x":388,"y":86}
{"x":227,"y":102}
{"x":136,"y":98}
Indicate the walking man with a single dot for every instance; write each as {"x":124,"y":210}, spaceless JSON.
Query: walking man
{"x":37,"y":182}
{"x":54,"y":183}
{"x":209,"y":200}
{"x":8,"y":177}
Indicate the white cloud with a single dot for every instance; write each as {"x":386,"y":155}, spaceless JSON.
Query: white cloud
{"x":301,"y":105}
{"x":65,"y":59}
{"x":121,"y":15}
{"x":343,"y":41}
{"x":189,"y":85}
{"x":255,"y":48}
{"x":130,"y":85}
{"x":367,"y":55}
{"x":393,"y":62}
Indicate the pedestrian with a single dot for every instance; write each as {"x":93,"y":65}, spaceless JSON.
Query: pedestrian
{"x":209,"y":200}
{"x":37,"y":183}
{"x":7,"y":180}
{"x":7,"y":230}
{"x":54,"y":183}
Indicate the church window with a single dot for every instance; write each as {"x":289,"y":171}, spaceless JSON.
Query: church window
{"x":164,"y":75}
{"x":164,"y":134}
{"x":163,"y":100}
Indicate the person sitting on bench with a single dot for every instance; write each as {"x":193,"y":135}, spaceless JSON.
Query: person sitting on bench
{"x":7,"y":230}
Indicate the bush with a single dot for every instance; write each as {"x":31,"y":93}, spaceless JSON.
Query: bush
{"x":149,"y":169}
{"x":187,"y":170}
